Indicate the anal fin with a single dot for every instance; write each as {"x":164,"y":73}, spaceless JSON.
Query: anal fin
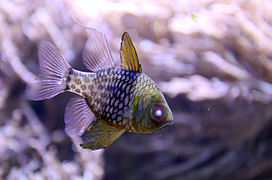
{"x":78,"y":116}
{"x":99,"y":135}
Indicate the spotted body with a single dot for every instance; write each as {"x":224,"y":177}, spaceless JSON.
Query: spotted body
{"x":111,"y":100}
{"x":109,"y":93}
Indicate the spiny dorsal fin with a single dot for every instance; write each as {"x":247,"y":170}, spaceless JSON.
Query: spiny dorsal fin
{"x":100,"y":134}
{"x":129,"y":58}
{"x":96,"y":54}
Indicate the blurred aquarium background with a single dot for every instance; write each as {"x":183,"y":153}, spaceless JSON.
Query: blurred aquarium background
{"x":212,"y":59}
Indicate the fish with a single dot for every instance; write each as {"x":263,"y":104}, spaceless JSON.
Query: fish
{"x":109,"y":100}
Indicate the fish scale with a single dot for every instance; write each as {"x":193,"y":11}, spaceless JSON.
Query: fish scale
{"x":110,"y":101}
{"x":110,"y":93}
{"x":113,"y":93}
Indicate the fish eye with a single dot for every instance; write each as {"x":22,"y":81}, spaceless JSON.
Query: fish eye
{"x":158,"y":112}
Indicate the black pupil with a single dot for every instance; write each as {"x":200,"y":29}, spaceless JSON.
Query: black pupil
{"x":158,"y":112}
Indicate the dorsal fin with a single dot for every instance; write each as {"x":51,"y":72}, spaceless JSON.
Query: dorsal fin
{"x":129,"y":58}
{"x":96,"y":54}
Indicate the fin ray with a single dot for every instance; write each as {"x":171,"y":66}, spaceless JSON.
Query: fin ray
{"x":96,"y":54}
{"x":53,"y":68}
{"x":100,"y":135}
{"x":128,"y":54}
{"x":78,"y":116}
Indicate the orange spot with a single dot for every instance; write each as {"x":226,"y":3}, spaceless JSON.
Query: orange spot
{"x":78,"y":90}
{"x":77,"y":81}
{"x":86,"y":80}
{"x":83,"y":87}
{"x":84,"y":94}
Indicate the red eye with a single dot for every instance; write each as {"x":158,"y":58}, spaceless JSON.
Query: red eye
{"x":158,"y":112}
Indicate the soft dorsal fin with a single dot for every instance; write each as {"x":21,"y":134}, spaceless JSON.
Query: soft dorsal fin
{"x":96,"y":54}
{"x":78,"y":116}
{"x":129,"y":58}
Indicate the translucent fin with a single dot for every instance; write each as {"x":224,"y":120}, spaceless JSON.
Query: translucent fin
{"x":129,"y":58}
{"x":78,"y":116}
{"x":53,"y":69}
{"x":96,"y":54}
{"x":100,"y":135}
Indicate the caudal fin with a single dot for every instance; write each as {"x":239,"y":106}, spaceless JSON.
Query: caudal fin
{"x":53,"y":69}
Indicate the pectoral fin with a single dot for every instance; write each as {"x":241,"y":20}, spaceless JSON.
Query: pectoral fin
{"x":99,"y":135}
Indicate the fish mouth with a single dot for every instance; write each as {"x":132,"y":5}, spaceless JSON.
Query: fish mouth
{"x":170,"y":122}
{"x":166,"y":124}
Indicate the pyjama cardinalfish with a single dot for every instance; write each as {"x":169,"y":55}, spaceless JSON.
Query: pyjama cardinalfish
{"x":110,"y":101}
